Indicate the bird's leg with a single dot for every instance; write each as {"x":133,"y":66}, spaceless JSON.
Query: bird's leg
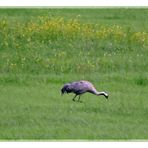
{"x":74,"y":98}
{"x":79,"y":99}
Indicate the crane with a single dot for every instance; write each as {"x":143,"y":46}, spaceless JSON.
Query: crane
{"x":81,"y":87}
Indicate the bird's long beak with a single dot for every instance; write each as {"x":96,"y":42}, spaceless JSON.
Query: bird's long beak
{"x":107,"y":97}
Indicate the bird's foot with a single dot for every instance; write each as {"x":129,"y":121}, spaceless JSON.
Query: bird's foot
{"x":79,"y":101}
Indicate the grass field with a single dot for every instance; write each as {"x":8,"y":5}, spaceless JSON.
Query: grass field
{"x":41,"y":49}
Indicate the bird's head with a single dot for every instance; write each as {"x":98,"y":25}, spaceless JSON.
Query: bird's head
{"x":106,"y":95}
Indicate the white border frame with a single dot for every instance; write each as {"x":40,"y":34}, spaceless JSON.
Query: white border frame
{"x":63,"y":3}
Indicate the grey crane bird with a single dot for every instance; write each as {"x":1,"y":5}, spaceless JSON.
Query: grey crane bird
{"x":81,"y":87}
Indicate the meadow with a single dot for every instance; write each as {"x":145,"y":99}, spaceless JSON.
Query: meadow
{"x":42,"y":49}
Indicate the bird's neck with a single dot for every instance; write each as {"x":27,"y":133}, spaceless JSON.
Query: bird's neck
{"x":94,"y":91}
{"x":100,"y":93}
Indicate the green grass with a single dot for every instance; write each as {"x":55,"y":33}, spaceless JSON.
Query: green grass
{"x":41,"y":49}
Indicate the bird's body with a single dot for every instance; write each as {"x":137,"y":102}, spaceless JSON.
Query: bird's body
{"x":81,"y":87}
